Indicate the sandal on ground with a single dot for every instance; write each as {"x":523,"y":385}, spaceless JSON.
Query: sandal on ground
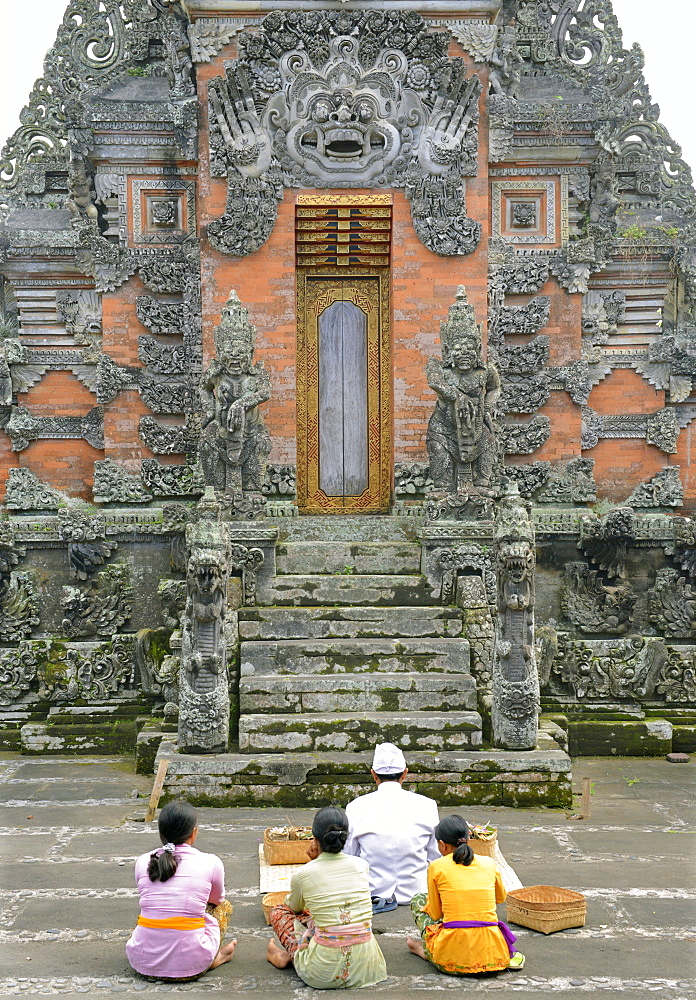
{"x":380,"y":905}
{"x":517,"y":961}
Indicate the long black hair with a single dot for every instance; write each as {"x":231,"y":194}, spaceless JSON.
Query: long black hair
{"x":330,"y":827}
{"x":176,"y":823}
{"x":454,"y":831}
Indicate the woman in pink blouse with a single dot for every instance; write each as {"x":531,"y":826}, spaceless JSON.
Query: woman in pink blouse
{"x":183,"y":910}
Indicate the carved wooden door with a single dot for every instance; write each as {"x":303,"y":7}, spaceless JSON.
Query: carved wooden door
{"x":344,"y":432}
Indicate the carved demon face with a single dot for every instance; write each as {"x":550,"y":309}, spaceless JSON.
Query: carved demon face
{"x":205,"y":572}
{"x":517,"y":559}
{"x":339,"y":122}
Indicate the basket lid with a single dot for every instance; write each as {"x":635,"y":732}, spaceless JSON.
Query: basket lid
{"x":545,"y":896}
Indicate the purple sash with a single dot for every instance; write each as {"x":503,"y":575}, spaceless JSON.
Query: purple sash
{"x":504,"y":929}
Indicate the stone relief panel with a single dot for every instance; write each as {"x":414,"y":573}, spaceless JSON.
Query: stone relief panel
{"x":338,"y":99}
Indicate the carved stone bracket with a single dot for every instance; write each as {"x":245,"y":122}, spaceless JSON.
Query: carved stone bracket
{"x":171,"y":480}
{"x":19,"y":606}
{"x":88,"y":547}
{"x":661,"y":428}
{"x":570,"y":482}
{"x":672,"y":605}
{"x":169,"y":439}
{"x":605,"y":540}
{"x":209,"y":35}
{"x":524,"y":438}
{"x":23,"y":427}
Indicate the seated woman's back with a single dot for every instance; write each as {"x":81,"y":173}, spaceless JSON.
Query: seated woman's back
{"x":466,"y":893}
{"x":186,"y":893}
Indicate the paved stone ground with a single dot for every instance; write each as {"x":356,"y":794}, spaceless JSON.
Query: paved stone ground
{"x":68,"y":900}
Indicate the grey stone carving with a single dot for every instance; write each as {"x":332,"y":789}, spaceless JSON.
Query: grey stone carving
{"x":164,"y":274}
{"x":157,"y":674}
{"x":672,"y":605}
{"x":204,"y":701}
{"x":18,"y":671}
{"x":113,"y":484}
{"x":23,"y":427}
{"x":506,"y":64}
{"x":102,"y":608}
{"x":412,"y":479}
{"x":626,"y":669}
{"x":593,"y":606}
{"x":165,"y":318}
{"x":280,"y":481}
{"x":569,"y":482}
{"x":25,"y":491}
{"x":445,"y":564}
{"x":168,"y":439}
{"x":670,"y":367}
{"x":234,"y":443}
{"x":677,"y":679}
{"x":368,"y":102}
{"x":515,"y":706}
{"x":171,"y":480}
{"x":476,"y":38}
{"x":682,"y":546}
{"x":88,"y":547}
{"x":208,"y":36}
{"x":469,"y":503}
{"x":172,"y":594}
{"x":81,"y":312}
{"x":19,"y":605}
{"x":462,"y":438}
{"x":663,"y":430}
{"x":524,"y":438}
{"x":605,"y":541}
{"x":663,"y":490}
{"x":178,"y":64}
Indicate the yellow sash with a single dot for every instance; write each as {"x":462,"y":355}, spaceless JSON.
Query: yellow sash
{"x":175,"y":923}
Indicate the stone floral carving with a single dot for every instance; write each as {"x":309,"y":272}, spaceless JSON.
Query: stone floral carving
{"x":204,"y":701}
{"x":208,"y":37}
{"x":106,"y":670}
{"x":24,"y":491}
{"x":605,"y":540}
{"x":164,"y":274}
{"x":171,"y":480}
{"x":663,"y":490}
{"x":113,"y":484}
{"x":524,"y":438}
{"x":515,"y":706}
{"x":102,"y":608}
{"x":327,"y":99}
{"x":234,"y":443}
{"x":81,"y":312}
{"x":19,"y":606}
{"x":663,"y":430}
{"x":462,"y":438}
{"x":593,"y":606}
{"x":88,"y":547}
{"x":570,"y":482}
{"x":683,"y":547}
{"x":165,"y":318}
{"x":168,"y":439}
{"x":412,"y":479}
{"x":23,"y":427}
{"x":280,"y":481}
{"x":677,"y":680}
{"x":467,"y":504}
{"x":672,"y":605}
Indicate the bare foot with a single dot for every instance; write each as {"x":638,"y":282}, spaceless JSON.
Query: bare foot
{"x":277,"y":956}
{"x":415,"y":945}
{"x":225,"y":954}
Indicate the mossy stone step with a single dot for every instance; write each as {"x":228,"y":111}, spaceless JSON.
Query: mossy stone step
{"x":355,"y":656}
{"x":349,"y":622}
{"x":595,"y":738}
{"x":107,"y":738}
{"x":362,"y":693}
{"x":380,"y":589}
{"x":353,"y":732}
{"x":338,"y":557}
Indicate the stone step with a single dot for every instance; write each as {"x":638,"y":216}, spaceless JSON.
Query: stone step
{"x":381,"y":589}
{"x":115,"y":737}
{"x":385,"y":692}
{"x":92,"y":714}
{"x":348,"y":622}
{"x":534,"y":778}
{"x":348,"y":558}
{"x":356,"y":731}
{"x":355,"y":656}
{"x":344,"y":527}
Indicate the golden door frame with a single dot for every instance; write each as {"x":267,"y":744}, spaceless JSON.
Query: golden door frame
{"x":377,"y":497}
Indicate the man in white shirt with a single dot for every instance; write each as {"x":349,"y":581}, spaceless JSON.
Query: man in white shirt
{"x":393,"y":830}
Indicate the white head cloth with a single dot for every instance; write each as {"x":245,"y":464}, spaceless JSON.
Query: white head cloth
{"x":388,"y":759}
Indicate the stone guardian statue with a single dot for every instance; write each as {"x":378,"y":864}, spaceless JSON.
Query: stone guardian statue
{"x":234,"y":443}
{"x":462,"y":439}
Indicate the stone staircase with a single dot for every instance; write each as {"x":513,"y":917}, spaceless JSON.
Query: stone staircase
{"x":352,"y":651}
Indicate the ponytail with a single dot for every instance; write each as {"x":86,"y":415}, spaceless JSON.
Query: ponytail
{"x":176,"y":824}
{"x":453,"y":830}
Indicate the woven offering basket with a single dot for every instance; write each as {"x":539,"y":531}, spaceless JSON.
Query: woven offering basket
{"x":486,"y":847}
{"x":546,"y":908}
{"x":286,"y":852}
{"x":270,"y":900}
